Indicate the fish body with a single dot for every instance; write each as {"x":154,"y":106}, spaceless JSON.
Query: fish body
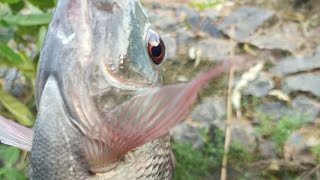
{"x":95,"y":54}
{"x":57,"y":151}
{"x":102,"y":112}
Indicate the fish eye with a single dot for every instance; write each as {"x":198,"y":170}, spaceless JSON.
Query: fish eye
{"x":155,"y":46}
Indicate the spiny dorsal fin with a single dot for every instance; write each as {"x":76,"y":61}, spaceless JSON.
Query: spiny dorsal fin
{"x":14,"y":134}
{"x":143,"y":118}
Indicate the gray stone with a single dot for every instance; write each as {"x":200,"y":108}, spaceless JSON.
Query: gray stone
{"x":186,"y":132}
{"x":297,"y":148}
{"x":209,"y":27}
{"x":209,"y":13}
{"x":163,"y":20}
{"x":10,"y":77}
{"x":292,"y":65}
{"x":303,"y":82}
{"x":12,"y":81}
{"x":195,"y":21}
{"x":317,"y":52}
{"x":274,"y":110}
{"x":244,"y":134}
{"x":3,"y":71}
{"x":244,"y":21}
{"x":268,"y":149}
{"x":6,"y":33}
{"x":259,"y":87}
{"x":189,"y":16}
{"x":171,"y":46}
{"x":214,"y":49}
{"x":211,"y":112}
{"x":185,"y":38}
{"x":308,"y":108}
{"x":286,"y":37}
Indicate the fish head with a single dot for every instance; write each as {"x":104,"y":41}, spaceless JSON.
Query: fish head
{"x":101,"y":52}
{"x":126,"y":49}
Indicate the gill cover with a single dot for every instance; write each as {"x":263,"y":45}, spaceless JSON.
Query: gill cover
{"x":97,"y":52}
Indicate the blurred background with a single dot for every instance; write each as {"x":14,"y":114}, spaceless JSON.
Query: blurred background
{"x":272,"y":108}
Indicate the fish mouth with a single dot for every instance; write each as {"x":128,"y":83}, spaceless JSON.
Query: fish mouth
{"x":123,"y":83}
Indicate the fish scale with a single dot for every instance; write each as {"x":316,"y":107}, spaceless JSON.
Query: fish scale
{"x":96,"y":119}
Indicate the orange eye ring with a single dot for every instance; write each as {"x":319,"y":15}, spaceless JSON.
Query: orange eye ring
{"x":157,"y":53}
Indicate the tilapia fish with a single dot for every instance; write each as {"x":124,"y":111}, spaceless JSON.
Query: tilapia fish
{"x":102,"y":113}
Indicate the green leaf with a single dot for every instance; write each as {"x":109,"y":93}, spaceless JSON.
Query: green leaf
{"x":12,"y":57}
{"x":43,"y":3}
{"x":19,"y":110}
{"x":10,"y":1}
{"x":28,"y":20}
{"x":41,"y":36}
{"x":9,"y":155}
{"x":13,"y":174}
{"x":4,"y":10}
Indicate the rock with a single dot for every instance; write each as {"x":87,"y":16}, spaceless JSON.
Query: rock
{"x":209,"y":27}
{"x":10,"y":77}
{"x":3,"y":71}
{"x":274,"y":110}
{"x":244,"y":21}
{"x":163,"y":20}
{"x":214,"y":49}
{"x":185,"y":39}
{"x":195,"y":21}
{"x":171,"y":46}
{"x":189,"y":133}
{"x":292,"y":65}
{"x":6,"y":33}
{"x":308,"y":108}
{"x":298,"y":146}
{"x":303,"y":82}
{"x":211,"y":112}
{"x":209,"y":14}
{"x":12,"y":81}
{"x":244,"y":134}
{"x":286,"y":37}
{"x":184,"y":12}
{"x":259,"y":87}
{"x":268,"y":149}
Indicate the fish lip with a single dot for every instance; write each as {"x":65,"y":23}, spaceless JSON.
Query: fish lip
{"x":128,"y":85}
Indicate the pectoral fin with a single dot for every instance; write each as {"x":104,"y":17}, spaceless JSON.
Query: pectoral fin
{"x":144,"y":118}
{"x":14,"y":134}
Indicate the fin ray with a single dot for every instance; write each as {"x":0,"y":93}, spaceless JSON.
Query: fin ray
{"x":14,"y":134}
{"x":145,"y":117}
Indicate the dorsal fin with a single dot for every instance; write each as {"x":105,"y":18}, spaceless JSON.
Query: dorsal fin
{"x":143,"y":118}
{"x":14,"y":134}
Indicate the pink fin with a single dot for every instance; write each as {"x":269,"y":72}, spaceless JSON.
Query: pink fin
{"x":144,"y":118}
{"x":14,"y":134}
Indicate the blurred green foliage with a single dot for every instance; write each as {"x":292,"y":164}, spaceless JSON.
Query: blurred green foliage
{"x":191,"y":163}
{"x":280,"y":130}
{"x":23,"y":25}
{"x":203,"y":4}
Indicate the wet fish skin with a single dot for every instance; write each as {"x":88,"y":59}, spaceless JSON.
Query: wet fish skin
{"x":83,"y":48}
{"x":102,"y":114}
{"x":57,"y":151}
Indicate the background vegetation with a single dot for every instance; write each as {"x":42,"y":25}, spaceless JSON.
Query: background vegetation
{"x":23,"y":25}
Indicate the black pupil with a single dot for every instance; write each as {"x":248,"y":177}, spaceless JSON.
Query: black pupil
{"x":156,"y":50}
